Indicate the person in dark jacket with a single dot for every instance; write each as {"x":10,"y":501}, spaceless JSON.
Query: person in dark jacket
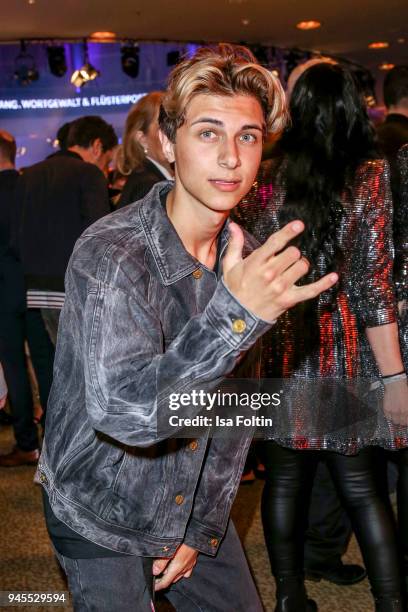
{"x":140,"y":157}
{"x":393,"y":132}
{"x":13,"y":325}
{"x":57,"y":199}
{"x":160,"y":302}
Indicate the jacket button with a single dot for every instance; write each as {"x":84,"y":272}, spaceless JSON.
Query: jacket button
{"x":214,"y":542}
{"x":238,"y":326}
{"x":197,"y":273}
{"x":43,"y":478}
{"x":193,"y":445}
{"x":179,"y":499}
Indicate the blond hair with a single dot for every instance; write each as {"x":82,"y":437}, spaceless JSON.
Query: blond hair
{"x":130,"y":154}
{"x":224,"y":70}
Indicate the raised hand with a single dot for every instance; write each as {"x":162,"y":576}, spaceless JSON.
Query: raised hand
{"x":264,"y":282}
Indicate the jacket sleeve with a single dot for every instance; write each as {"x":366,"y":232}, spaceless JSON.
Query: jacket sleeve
{"x":129,"y":379}
{"x":376,"y":300}
{"x":94,"y":195}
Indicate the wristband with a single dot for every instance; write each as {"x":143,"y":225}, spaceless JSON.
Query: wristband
{"x":387,"y":380}
{"x":392,"y":375}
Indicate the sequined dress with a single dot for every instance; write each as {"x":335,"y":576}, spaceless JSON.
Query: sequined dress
{"x":401,"y":247}
{"x":322,"y":347}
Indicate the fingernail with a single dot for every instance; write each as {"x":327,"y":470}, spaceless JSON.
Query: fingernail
{"x":297,"y":226}
{"x":334,"y":277}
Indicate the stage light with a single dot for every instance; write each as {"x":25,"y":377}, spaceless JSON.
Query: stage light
{"x":25,"y":69}
{"x":86,"y":73}
{"x":130,"y":59}
{"x":57,"y":61}
{"x":173,"y":58}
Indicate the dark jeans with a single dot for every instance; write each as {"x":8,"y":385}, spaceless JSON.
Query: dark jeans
{"x":329,"y":529}
{"x":285,"y":506}
{"x":12,"y":356}
{"x":119,"y":584}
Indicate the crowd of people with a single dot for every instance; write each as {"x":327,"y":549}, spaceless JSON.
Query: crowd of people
{"x":124,"y":275}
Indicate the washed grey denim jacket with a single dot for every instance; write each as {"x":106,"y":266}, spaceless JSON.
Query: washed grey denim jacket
{"x":139,"y":322}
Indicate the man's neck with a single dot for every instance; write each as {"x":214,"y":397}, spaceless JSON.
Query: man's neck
{"x":198,"y":227}
{"x":78,"y":150}
{"x":398,"y":110}
{"x":6,"y":165}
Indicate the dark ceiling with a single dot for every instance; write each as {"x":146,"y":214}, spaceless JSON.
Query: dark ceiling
{"x":348,"y":26}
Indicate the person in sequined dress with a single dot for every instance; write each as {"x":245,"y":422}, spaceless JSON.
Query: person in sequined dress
{"x":330,"y":176}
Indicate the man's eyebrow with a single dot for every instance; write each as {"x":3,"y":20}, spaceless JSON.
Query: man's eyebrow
{"x":250,"y":126}
{"x":208,"y":120}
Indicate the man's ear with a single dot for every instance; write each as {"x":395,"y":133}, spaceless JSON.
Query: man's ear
{"x":168,"y":147}
{"x":97,"y":148}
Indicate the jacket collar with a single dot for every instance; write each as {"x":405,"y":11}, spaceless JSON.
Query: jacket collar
{"x":172,"y":259}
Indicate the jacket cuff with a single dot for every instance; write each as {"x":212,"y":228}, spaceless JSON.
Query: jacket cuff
{"x":202,"y":538}
{"x":381,"y":316}
{"x":234,"y":323}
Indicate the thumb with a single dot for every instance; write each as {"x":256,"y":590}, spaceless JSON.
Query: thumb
{"x":233,"y":254}
{"x":159,"y":565}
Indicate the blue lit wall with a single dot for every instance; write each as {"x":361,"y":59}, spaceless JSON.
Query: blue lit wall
{"x":35,"y":129}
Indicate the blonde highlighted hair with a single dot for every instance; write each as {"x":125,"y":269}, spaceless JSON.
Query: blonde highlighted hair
{"x":223,"y":70}
{"x":130,"y":154}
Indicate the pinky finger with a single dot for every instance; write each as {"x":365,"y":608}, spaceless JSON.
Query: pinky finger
{"x":308,"y":292}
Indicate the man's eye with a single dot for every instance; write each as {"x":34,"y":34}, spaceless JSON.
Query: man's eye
{"x":208,"y":134}
{"x":248,"y":138}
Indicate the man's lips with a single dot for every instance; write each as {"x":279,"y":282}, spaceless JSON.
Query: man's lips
{"x":225,"y":184}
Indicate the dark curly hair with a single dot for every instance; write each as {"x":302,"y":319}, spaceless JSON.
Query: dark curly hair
{"x":329,"y":136}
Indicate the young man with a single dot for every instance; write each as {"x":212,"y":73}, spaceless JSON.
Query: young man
{"x":159,"y":300}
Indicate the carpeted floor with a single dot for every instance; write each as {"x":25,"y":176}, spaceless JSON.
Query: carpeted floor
{"x":27,"y":562}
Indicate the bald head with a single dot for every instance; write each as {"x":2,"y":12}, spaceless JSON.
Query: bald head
{"x":7,"y":150}
{"x":300,"y":69}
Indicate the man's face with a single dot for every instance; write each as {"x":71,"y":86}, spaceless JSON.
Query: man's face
{"x":218,"y":150}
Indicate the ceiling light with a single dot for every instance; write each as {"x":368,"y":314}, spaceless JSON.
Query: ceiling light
{"x":386,"y":66}
{"x":130,"y":59}
{"x":86,"y":73}
{"x":25,"y":69}
{"x":308,"y":25}
{"x":103,"y":36}
{"x":57,"y":61}
{"x":401,"y":41}
{"x":245,"y":21}
{"x":379,"y":45}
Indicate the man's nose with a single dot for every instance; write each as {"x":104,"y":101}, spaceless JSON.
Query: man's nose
{"x":228,"y":155}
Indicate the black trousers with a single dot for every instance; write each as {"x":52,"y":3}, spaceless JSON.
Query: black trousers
{"x":329,"y":528}
{"x":15,"y":328}
{"x":285,"y":507}
{"x":12,"y":356}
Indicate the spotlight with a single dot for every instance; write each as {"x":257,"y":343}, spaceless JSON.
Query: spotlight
{"x":25,"y":69}
{"x":130,"y":59}
{"x":173,"y":58}
{"x":57,"y":61}
{"x":86,"y":73}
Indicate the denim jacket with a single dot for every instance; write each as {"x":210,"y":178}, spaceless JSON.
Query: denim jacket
{"x":142,"y":319}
